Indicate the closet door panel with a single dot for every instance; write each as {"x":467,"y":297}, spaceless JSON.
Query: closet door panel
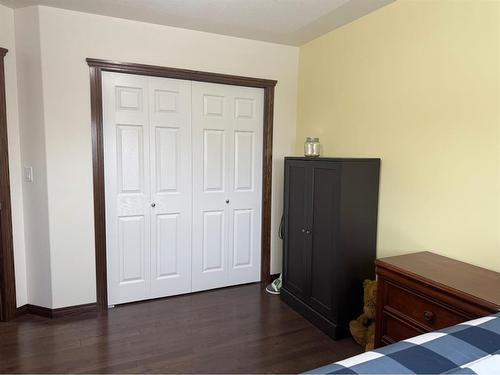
{"x":171,"y":186}
{"x":245,"y":194}
{"x":127,"y":186}
{"x":211,"y":127}
{"x":167,"y":247}
{"x":214,"y":241}
{"x":214,"y":160}
{"x":227,"y":162}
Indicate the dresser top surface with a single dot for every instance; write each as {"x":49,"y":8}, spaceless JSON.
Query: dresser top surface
{"x":321,"y":158}
{"x":447,"y":273}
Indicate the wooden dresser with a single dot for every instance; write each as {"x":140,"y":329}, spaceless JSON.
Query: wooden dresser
{"x":423,"y":292}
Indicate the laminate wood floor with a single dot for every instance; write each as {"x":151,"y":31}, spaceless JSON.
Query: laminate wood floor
{"x":234,"y":330}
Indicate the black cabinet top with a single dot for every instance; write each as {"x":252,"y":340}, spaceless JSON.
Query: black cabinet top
{"x":304,"y":158}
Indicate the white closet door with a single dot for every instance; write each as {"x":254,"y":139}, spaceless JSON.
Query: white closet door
{"x":245,"y":172}
{"x":171,"y":186}
{"x":147,"y":146}
{"x":127,"y":186}
{"x":227,"y":164}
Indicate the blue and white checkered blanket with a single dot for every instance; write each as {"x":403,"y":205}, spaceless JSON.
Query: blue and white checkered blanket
{"x":468,"y":348}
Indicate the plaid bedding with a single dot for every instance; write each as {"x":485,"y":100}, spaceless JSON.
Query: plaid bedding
{"x":468,"y":348}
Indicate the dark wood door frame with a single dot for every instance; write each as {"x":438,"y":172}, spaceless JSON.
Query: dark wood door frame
{"x":7,"y":276}
{"x":97,"y":66}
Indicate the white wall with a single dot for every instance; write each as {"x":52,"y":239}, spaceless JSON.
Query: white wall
{"x":7,"y":40}
{"x":31,"y":121}
{"x":66,"y":39}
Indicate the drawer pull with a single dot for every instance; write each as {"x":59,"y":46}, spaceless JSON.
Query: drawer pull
{"x":428,"y":315}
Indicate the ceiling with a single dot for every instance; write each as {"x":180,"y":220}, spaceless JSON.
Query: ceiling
{"x":292,"y":22}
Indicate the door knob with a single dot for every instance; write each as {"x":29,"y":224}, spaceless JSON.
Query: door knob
{"x":308,"y":232}
{"x":153,"y":205}
{"x":303,"y":230}
{"x":227,"y":201}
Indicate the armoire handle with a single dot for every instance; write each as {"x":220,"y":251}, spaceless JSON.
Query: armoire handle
{"x":303,"y":230}
{"x":308,"y":232}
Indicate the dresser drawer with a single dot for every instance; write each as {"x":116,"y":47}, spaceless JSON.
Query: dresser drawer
{"x":396,"y":329}
{"x":420,"y":308}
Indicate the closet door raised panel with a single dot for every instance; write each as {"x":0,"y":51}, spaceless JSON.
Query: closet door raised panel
{"x":127,"y":186}
{"x":171,"y":186}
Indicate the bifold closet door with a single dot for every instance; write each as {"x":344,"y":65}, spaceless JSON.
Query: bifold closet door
{"x":171,"y":186}
{"x":227,"y":126}
{"x":147,"y":148}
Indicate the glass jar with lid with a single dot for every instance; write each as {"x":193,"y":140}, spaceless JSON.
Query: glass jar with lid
{"x":312,"y":147}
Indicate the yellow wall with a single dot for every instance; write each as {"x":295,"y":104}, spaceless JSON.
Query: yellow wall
{"x":417,"y":84}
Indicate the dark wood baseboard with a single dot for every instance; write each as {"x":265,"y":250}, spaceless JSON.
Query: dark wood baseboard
{"x":73,"y":310}
{"x":55,"y":313}
{"x":22,"y":310}
{"x":39,"y":310}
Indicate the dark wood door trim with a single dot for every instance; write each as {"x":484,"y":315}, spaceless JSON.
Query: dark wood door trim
{"x":190,"y":75}
{"x":97,"y":66}
{"x":7,"y":276}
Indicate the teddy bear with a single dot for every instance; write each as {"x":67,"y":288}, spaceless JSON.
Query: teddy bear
{"x":363,"y":328}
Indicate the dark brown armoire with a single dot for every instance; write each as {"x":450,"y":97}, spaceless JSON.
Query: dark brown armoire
{"x":330,"y":236}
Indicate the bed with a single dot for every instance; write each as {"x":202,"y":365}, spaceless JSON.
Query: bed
{"x":472,"y":347}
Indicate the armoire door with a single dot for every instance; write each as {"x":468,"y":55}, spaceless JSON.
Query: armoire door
{"x":227,"y":126}
{"x":146,"y":123}
{"x":325,"y":179}
{"x":297,"y":240}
